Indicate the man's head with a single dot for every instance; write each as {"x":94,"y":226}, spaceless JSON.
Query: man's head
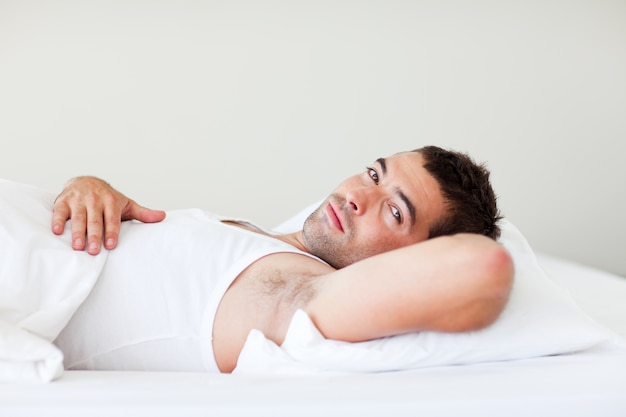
{"x":403,"y":199}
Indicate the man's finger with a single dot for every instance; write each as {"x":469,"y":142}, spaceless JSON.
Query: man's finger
{"x":95,"y":229}
{"x":60,"y":215}
{"x":112,"y":224}
{"x":79,"y":229}
{"x":144,"y":214}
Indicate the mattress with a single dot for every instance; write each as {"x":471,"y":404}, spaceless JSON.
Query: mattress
{"x":587,"y":383}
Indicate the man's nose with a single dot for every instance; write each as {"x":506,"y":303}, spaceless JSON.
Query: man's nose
{"x":362,"y":199}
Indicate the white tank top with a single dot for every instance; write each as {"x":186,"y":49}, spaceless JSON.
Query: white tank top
{"x":155,"y":301}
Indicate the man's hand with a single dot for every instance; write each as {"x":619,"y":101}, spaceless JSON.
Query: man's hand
{"x":96,"y":209}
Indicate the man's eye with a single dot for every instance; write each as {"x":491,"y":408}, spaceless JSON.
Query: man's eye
{"x":396,"y":213}
{"x":373,"y":174}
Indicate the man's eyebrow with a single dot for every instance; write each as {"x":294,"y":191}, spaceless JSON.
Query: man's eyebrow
{"x":409,"y":205}
{"x":383,"y":165}
{"x":403,"y":197}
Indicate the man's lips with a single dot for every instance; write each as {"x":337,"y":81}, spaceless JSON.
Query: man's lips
{"x":334,"y":218}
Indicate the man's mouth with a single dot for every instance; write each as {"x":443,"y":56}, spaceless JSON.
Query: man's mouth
{"x":334,"y":218}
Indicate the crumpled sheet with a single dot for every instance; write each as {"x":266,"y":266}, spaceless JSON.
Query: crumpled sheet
{"x":42,"y":283}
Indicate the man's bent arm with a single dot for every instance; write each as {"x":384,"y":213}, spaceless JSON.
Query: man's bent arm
{"x":448,"y":284}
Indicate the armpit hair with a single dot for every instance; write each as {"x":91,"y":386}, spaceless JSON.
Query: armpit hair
{"x":287,"y":289}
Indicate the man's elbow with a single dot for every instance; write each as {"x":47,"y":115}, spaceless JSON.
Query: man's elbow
{"x":488,"y":285}
{"x":496,"y":281}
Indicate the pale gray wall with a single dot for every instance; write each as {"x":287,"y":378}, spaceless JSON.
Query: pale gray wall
{"x":257,"y":108}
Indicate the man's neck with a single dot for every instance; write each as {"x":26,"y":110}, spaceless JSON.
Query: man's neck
{"x":294,"y":239}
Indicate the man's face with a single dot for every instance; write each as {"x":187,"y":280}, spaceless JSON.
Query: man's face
{"x":390,"y":205}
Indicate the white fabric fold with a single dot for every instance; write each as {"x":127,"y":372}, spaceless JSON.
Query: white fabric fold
{"x":42,"y":283}
{"x":25,"y":357}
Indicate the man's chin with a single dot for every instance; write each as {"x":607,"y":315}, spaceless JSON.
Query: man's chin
{"x":333,"y":257}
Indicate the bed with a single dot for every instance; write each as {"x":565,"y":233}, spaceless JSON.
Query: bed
{"x":582,"y":380}
{"x":581,"y":384}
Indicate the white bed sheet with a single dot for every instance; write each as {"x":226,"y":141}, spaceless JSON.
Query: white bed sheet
{"x":589,"y":383}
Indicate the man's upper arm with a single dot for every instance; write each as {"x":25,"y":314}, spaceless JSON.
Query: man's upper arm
{"x":448,"y":284}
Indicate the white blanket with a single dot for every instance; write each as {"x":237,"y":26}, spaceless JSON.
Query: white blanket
{"x":42,"y":283}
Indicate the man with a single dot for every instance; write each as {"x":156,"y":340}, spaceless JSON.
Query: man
{"x":408,"y":245}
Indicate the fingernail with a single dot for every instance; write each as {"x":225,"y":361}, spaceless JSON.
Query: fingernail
{"x":78,"y":243}
{"x":93,"y":246}
{"x":110,"y":242}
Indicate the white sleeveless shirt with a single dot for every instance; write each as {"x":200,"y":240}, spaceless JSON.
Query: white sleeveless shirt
{"x":155,"y":301}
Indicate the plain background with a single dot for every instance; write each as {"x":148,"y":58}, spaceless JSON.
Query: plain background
{"x":258,"y":108}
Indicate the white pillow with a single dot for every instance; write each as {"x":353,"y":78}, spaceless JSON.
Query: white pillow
{"x":540,"y":319}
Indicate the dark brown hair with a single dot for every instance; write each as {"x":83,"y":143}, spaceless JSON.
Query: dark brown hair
{"x":469,"y":198}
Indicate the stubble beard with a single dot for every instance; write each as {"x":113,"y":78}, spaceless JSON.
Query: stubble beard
{"x":338,"y":250}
